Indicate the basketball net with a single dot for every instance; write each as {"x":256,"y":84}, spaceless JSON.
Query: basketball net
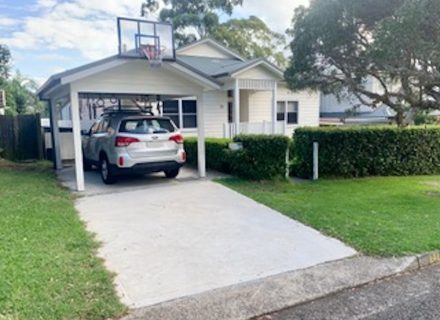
{"x":154,"y":54}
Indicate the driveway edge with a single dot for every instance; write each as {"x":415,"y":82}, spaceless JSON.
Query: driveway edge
{"x":254,"y":298}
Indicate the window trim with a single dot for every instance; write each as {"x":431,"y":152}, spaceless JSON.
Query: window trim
{"x":173,"y":114}
{"x":286,"y":113}
{"x":181,"y":114}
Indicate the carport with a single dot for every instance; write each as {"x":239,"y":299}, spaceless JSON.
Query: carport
{"x":122,"y":76}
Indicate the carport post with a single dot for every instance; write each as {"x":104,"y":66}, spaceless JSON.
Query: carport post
{"x":76,"y":130}
{"x":201,"y":157}
{"x":55,"y":133}
{"x":237,"y":107}
{"x":274,"y":107}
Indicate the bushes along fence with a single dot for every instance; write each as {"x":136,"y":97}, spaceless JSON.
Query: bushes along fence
{"x":356,"y":152}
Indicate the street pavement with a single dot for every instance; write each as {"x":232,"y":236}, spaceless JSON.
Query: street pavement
{"x":410,"y":296}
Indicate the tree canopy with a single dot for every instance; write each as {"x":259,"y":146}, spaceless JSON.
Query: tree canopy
{"x":252,"y":38}
{"x":196,"y":19}
{"x":340,"y":45}
{"x":5,"y":60}
{"x":20,"y":91}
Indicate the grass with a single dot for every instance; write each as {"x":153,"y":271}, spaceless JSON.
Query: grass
{"x":48,"y":267}
{"x":381,"y":216}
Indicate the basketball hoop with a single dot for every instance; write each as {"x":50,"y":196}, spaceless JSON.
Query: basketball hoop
{"x":154,"y":54}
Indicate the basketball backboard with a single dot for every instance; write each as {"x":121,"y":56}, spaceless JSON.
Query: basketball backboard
{"x":134,"y":34}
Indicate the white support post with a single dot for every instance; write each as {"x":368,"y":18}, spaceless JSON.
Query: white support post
{"x":201,"y":156}
{"x":285,"y":117}
{"x":76,"y":130}
{"x":315,"y":161}
{"x":237,"y":107}
{"x":180,"y":109}
{"x":274,"y":108}
{"x":56,"y":145}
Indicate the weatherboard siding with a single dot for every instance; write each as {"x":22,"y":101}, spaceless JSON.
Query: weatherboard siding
{"x":256,"y":73}
{"x":216,"y":112}
{"x":204,"y":50}
{"x":137,"y":77}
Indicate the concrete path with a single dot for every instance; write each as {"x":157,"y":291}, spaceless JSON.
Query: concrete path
{"x":94,"y":185}
{"x":180,"y":239}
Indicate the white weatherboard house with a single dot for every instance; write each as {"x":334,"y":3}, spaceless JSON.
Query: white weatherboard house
{"x":206,"y":88}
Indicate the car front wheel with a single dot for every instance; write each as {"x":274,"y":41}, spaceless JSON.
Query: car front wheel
{"x":106,"y":172}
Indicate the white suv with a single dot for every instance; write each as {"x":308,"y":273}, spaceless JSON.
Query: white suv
{"x":133,"y":142}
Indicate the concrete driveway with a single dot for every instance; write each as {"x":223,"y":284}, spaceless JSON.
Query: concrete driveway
{"x":189,"y":236}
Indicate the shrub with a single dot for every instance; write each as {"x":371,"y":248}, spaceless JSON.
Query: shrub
{"x":262,"y":156}
{"x":218,"y":155}
{"x":365,"y":151}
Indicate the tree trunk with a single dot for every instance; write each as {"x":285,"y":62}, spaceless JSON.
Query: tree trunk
{"x":400,"y":118}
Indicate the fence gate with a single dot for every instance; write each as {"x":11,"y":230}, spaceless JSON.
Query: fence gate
{"x":21,"y":137}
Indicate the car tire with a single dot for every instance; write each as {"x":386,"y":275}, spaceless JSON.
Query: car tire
{"x":107,"y":175}
{"x":86,"y":164}
{"x":172,"y":173}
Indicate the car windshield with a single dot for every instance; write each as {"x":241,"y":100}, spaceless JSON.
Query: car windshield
{"x":146,"y":126}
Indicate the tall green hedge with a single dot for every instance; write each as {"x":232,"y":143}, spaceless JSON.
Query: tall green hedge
{"x":368,"y":151}
{"x":262,"y":156}
{"x":218,"y":155}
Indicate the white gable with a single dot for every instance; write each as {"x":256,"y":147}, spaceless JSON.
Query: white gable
{"x":258,"y":72}
{"x":207,"y":48}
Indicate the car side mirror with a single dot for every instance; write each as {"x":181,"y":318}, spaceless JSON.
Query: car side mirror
{"x":85,"y":132}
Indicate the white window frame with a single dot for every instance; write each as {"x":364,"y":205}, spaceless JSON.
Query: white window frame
{"x":286,"y":103}
{"x":181,"y":114}
{"x":178,"y":114}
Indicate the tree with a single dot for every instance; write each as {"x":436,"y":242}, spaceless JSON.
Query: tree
{"x":196,"y":19}
{"x":252,"y":38}
{"x":21,"y":97}
{"x":192,"y":19}
{"x":339,"y":45}
{"x":5,"y":59}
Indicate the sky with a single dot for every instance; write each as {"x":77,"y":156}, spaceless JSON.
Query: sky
{"x":50,"y":36}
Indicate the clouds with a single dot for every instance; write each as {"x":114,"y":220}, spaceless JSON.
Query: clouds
{"x":277,"y":14}
{"x":6,"y":22}
{"x":88,"y":26}
{"x":71,"y":32}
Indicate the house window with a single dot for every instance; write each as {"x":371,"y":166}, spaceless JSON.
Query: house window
{"x":281,"y":110}
{"x":189,"y":113}
{"x":292,"y":112}
{"x":287,"y":111}
{"x":184,"y":117}
{"x":171,"y":110}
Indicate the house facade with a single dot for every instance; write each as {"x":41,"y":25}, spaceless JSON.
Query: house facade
{"x":207,"y":89}
{"x":254,"y":86}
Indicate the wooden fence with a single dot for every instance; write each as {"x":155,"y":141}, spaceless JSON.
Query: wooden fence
{"x":21,"y":137}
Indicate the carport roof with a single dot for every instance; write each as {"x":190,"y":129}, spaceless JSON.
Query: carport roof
{"x":206,"y":68}
{"x":55,"y":79}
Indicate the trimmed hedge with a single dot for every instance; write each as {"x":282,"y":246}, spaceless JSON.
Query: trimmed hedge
{"x":368,"y":151}
{"x":218,"y":155}
{"x":262,"y":156}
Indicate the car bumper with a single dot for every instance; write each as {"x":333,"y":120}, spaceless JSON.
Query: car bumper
{"x":150,"y":167}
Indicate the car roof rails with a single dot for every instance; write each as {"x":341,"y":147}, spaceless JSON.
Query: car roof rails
{"x":128,"y":109}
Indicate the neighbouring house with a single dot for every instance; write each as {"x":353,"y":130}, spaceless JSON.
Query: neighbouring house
{"x":348,"y":110}
{"x":206,"y":88}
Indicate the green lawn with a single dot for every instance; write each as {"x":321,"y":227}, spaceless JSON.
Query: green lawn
{"x":382,"y":216}
{"x":48,"y":267}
